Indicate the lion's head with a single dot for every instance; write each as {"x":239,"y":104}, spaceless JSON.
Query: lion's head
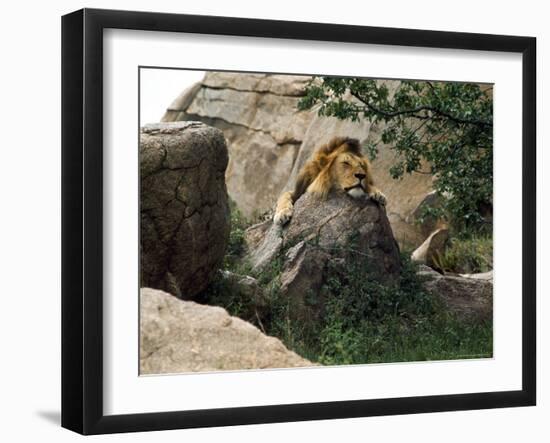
{"x":341,"y":166}
{"x":336,"y":166}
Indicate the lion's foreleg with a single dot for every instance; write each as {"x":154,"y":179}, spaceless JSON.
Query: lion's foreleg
{"x":284,"y":210}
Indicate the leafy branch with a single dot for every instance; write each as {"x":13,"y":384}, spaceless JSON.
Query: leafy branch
{"x":454,"y":137}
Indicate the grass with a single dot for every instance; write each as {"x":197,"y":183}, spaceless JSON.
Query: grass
{"x":467,"y":255}
{"x":437,"y":337}
{"x":363,"y":320}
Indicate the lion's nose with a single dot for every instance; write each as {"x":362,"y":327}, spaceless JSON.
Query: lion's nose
{"x":360,"y":176}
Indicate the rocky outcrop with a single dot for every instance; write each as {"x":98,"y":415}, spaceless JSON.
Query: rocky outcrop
{"x":184,"y":206}
{"x":258,"y":115}
{"x":269,"y":142}
{"x":469,"y":297}
{"x":182,"y":336}
{"x":322,"y":234}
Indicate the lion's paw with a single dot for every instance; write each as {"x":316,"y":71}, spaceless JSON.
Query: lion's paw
{"x":282,"y":217}
{"x":379,"y":197}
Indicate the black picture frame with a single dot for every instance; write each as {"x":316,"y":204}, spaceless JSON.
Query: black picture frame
{"x":82,"y":218}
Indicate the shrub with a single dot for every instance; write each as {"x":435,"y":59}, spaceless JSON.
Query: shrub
{"x":467,"y":255}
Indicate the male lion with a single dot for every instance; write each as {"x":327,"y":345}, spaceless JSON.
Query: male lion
{"x":337,"y":165}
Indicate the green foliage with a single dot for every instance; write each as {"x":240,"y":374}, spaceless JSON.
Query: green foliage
{"x":236,"y":244}
{"x":467,"y":255}
{"x":368,"y":322}
{"x":438,"y":337}
{"x":446,"y":127}
{"x":359,"y":303}
{"x":221,"y":292}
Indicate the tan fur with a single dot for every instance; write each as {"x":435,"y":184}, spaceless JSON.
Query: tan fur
{"x":337,"y":165}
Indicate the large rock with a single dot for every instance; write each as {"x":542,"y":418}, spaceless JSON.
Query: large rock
{"x":322,"y":234}
{"x":469,"y":297}
{"x":182,"y":336}
{"x":329,"y":224}
{"x":184,"y":206}
{"x":258,"y":115}
{"x":270,"y":141}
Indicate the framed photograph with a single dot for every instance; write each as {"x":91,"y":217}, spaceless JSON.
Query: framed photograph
{"x":269,"y":221}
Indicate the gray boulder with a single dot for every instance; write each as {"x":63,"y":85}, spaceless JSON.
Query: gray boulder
{"x":469,"y":297}
{"x":322,"y":234}
{"x":329,"y":224}
{"x":183,"y":206}
{"x":182,"y":336}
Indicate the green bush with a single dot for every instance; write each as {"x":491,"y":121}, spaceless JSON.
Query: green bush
{"x":467,"y":255}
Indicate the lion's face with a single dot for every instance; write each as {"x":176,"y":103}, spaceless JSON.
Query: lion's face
{"x":350,"y":173}
{"x":339,"y":166}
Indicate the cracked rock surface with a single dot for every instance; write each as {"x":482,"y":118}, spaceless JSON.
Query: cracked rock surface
{"x":184,"y":212}
{"x":183,"y":336}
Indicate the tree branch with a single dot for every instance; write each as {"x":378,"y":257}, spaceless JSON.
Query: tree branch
{"x":412,"y":113}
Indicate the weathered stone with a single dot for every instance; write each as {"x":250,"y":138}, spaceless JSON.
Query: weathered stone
{"x":181,"y":103}
{"x":182,"y":336}
{"x":331,"y":223}
{"x":274,"y":114}
{"x":258,"y":166}
{"x":303,"y":275}
{"x":255,"y":234}
{"x":184,"y":206}
{"x":250,"y":290}
{"x":432,"y":248}
{"x":292,"y":85}
{"x":268,"y":247}
{"x":470,"y":299}
{"x":323,"y":233}
{"x":258,"y":115}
